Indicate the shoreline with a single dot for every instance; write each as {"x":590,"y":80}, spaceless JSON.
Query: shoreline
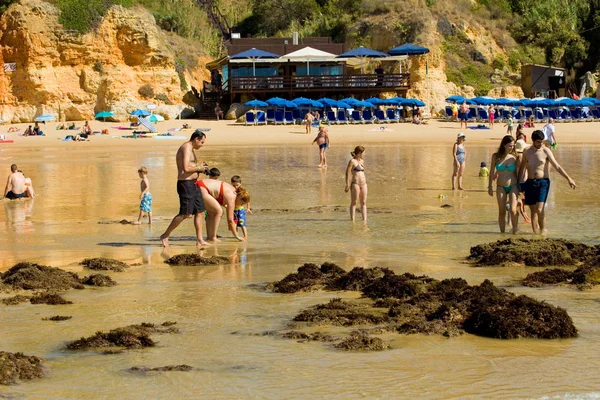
{"x":228,"y":133}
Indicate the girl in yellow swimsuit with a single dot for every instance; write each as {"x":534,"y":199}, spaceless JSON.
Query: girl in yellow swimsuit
{"x":504,"y":169}
{"x":357,"y":183}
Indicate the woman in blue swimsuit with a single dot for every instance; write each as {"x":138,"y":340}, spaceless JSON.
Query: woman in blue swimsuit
{"x":460,"y":154}
{"x":504,"y":169}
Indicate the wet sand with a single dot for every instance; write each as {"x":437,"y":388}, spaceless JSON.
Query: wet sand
{"x":300,"y":216}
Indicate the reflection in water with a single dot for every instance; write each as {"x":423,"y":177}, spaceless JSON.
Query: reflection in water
{"x":301,"y":215}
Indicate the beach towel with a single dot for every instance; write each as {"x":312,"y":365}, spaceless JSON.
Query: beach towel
{"x":478,"y":127}
{"x":381,"y":129}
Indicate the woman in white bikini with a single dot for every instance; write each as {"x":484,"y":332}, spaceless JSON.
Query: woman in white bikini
{"x":357,"y":182}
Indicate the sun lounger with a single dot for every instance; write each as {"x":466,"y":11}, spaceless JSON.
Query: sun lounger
{"x":331,"y":117}
{"x":341,"y":117}
{"x":565,"y":114}
{"x":297,"y":114}
{"x":270,"y":115}
{"x":472,"y":114}
{"x":448,"y":112}
{"x":391,"y":115}
{"x":552,"y":114}
{"x":356,"y":117}
{"x":368,"y":118}
{"x":539,"y":115}
{"x":288,"y":118}
{"x":261,"y":120}
{"x":279,"y":117}
{"x":380,"y":115}
{"x":483,"y":114}
{"x":250,"y":120}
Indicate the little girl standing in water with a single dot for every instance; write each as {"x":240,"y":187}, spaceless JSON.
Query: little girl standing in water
{"x":356,"y":180}
{"x":459,"y":154}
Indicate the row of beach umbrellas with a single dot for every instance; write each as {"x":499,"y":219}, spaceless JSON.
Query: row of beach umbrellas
{"x":349,"y":102}
{"x":536,"y":102}
{"x":107,"y":114}
{"x":362,"y":53}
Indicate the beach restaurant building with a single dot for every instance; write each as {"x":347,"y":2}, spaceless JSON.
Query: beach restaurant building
{"x":309,"y":67}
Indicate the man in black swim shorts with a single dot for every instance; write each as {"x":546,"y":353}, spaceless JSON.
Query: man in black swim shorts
{"x":15,"y":184}
{"x":190,"y":196}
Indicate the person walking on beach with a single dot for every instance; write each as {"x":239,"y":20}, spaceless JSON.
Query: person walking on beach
{"x":308,"y":120}
{"x":454,"y":108}
{"x":322,"y":140}
{"x":536,"y":162}
{"x":504,"y":167}
{"x":548,"y":131}
{"x":15,"y":184}
{"x":190,"y":196}
{"x":491,"y":116}
{"x":464,"y":114}
{"x":145,"y":196}
{"x":459,"y":154}
{"x":357,"y":182}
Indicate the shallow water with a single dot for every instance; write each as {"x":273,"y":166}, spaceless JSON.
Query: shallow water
{"x":300,"y":216}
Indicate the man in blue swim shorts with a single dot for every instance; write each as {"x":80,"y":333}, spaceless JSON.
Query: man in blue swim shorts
{"x":535,"y":165}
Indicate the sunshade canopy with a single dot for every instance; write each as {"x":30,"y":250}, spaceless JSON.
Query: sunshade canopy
{"x":408,"y":49}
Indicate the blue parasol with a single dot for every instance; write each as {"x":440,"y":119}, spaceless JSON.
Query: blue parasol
{"x":256,"y":103}
{"x":329,"y":102}
{"x":254,"y":54}
{"x":362,"y":53}
{"x":140,"y":113}
{"x":45,"y":118}
{"x":408,"y":49}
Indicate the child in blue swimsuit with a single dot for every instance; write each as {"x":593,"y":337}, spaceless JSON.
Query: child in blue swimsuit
{"x":145,"y":196}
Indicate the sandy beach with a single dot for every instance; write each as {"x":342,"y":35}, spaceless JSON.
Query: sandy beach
{"x":300,"y":216}
{"x":230,"y":133}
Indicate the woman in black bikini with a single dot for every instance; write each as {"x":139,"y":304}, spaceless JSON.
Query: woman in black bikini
{"x":356,"y":181}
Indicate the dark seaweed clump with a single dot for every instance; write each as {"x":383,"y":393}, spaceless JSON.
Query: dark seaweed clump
{"x":100,"y":280}
{"x":14,"y":300}
{"x":30,"y":276}
{"x":195,"y":259}
{"x":358,"y":340}
{"x":182,"y":367}
{"x":49,"y":298}
{"x":535,"y":253}
{"x":104,"y":264}
{"x":419,"y":304}
{"x":328,"y":276}
{"x":584,"y":277}
{"x":18,"y":366}
{"x":129,"y":337}
{"x":57,"y":318}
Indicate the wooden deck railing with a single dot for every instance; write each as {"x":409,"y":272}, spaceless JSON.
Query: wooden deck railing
{"x":319,"y":83}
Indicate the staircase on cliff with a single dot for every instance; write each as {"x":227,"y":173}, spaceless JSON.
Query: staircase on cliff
{"x":216,"y":17}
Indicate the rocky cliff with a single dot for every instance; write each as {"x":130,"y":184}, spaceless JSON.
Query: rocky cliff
{"x":126,"y":63}
{"x":435,"y":30}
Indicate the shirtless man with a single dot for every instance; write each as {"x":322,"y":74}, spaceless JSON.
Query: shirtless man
{"x":322,"y":140}
{"x":15,"y":184}
{"x":218,"y":194}
{"x":464,"y":114}
{"x":536,"y":162}
{"x":308,"y":120}
{"x":190,"y":197}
